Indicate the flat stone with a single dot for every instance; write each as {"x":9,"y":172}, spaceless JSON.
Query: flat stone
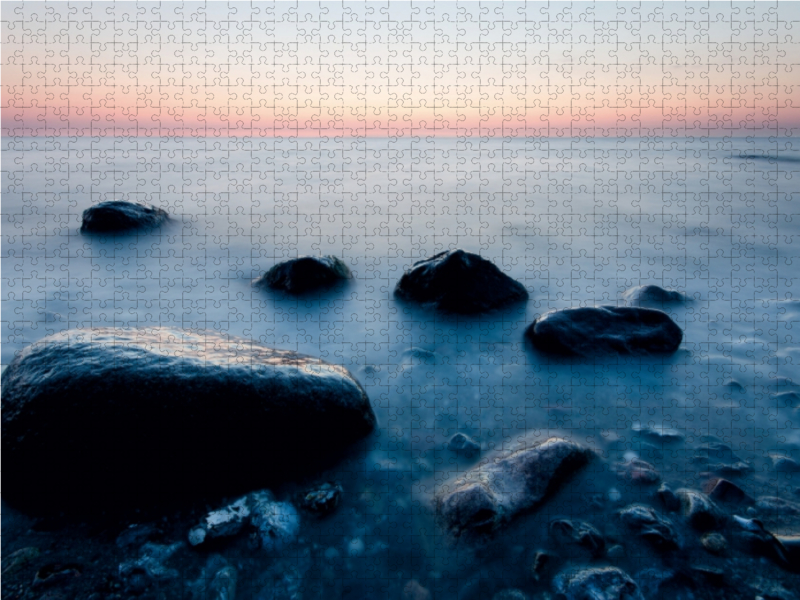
{"x":160,"y":411}
{"x":653,"y":296}
{"x":777,"y":506}
{"x":305,"y":274}
{"x":605,"y":330}
{"x":459,"y":282}
{"x":501,"y":486}
{"x":714,"y":543}
{"x":118,"y":216}
{"x":608,"y":583}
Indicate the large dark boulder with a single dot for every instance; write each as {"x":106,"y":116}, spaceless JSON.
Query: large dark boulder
{"x":145,"y":413}
{"x":459,"y":282}
{"x":118,"y":216}
{"x":305,"y":274}
{"x":605,"y":330}
{"x":502,"y":486}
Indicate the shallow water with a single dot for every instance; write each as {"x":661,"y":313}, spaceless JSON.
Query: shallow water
{"x":576,"y":221}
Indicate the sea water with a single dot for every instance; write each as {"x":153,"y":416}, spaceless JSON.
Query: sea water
{"x":577,"y":221}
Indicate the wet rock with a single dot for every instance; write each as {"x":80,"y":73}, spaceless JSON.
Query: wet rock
{"x":217,"y":580}
{"x":615,"y":552}
{"x":710,"y":574}
{"x":605,"y":330}
{"x":637,"y":471}
{"x":700,"y":511}
{"x":661,"y":433}
{"x":784,"y":464}
{"x":650,"y":526}
{"x":773,"y":505}
{"x":136,"y":535}
{"x":413,"y":590}
{"x":151,"y":561}
{"x":541,"y":565}
{"x":118,"y":216}
{"x":791,"y":550}
{"x":751,"y":536}
{"x":607,"y":583}
{"x":720,"y":458}
{"x":653,"y":296}
{"x":668,"y":498}
{"x":305,"y":274}
{"x":577,"y":534}
{"x":773,"y":590}
{"x":276,"y":522}
{"x":495,"y":491}
{"x":714,"y":543}
{"x":460,"y":282}
{"x":283,"y":579}
{"x":18,"y":559}
{"x":464,"y":445}
{"x":140,"y":406}
{"x":322,"y":499}
{"x":510,"y":594}
{"x":722,"y":490}
{"x":226,"y":521}
{"x":56,"y":574}
{"x":666,"y":583}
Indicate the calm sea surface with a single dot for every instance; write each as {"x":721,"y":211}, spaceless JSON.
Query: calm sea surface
{"x":576,"y":221}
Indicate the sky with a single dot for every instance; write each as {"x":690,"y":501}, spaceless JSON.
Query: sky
{"x":400,"y":69}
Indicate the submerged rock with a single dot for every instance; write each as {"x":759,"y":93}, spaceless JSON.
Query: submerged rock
{"x":170,"y":410}
{"x":773,"y":505}
{"x":323,"y":499}
{"x":668,"y":498}
{"x":653,"y":296}
{"x":118,"y":216}
{"x":714,"y":543}
{"x":459,"y":282}
{"x":650,"y":526}
{"x":700,"y":511}
{"x":605,"y":330}
{"x":276,"y":522}
{"x":151,"y":561}
{"x":578,"y":534}
{"x":637,"y":471}
{"x":608,"y":583}
{"x":305,"y":274}
{"x":217,"y":580}
{"x":463,"y":445}
{"x":497,"y":489}
{"x":784,"y":464}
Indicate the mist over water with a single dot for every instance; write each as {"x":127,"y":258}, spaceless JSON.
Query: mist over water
{"x":577,"y":221}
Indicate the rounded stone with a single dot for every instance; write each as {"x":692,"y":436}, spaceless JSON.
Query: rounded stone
{"x":605,"y":330}
{"x":118,"y":216}
{"x":305,"y":274}
{"x":459,"y":282}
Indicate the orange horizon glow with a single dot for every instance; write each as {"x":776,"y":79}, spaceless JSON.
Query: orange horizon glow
{"x":241,"y":70}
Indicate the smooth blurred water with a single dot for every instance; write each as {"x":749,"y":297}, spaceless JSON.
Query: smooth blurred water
{"x":578,"y":221}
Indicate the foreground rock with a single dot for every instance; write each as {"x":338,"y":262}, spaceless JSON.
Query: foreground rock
{"x":142,"y":413}
{"x":500,"y":487}
{"x":117,"y":216}
{"x":608,"y":583}
{"x":605,"y":330}
{"x":459,"y":282}
{"x":305,"y":274}
{"x":651,"y":526}
{"x":653,"y":296}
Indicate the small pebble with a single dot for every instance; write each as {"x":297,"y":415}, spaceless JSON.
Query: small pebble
{"x":714,"y":543}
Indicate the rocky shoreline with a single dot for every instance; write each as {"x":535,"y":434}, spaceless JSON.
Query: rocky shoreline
{"x":276,"y":494}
